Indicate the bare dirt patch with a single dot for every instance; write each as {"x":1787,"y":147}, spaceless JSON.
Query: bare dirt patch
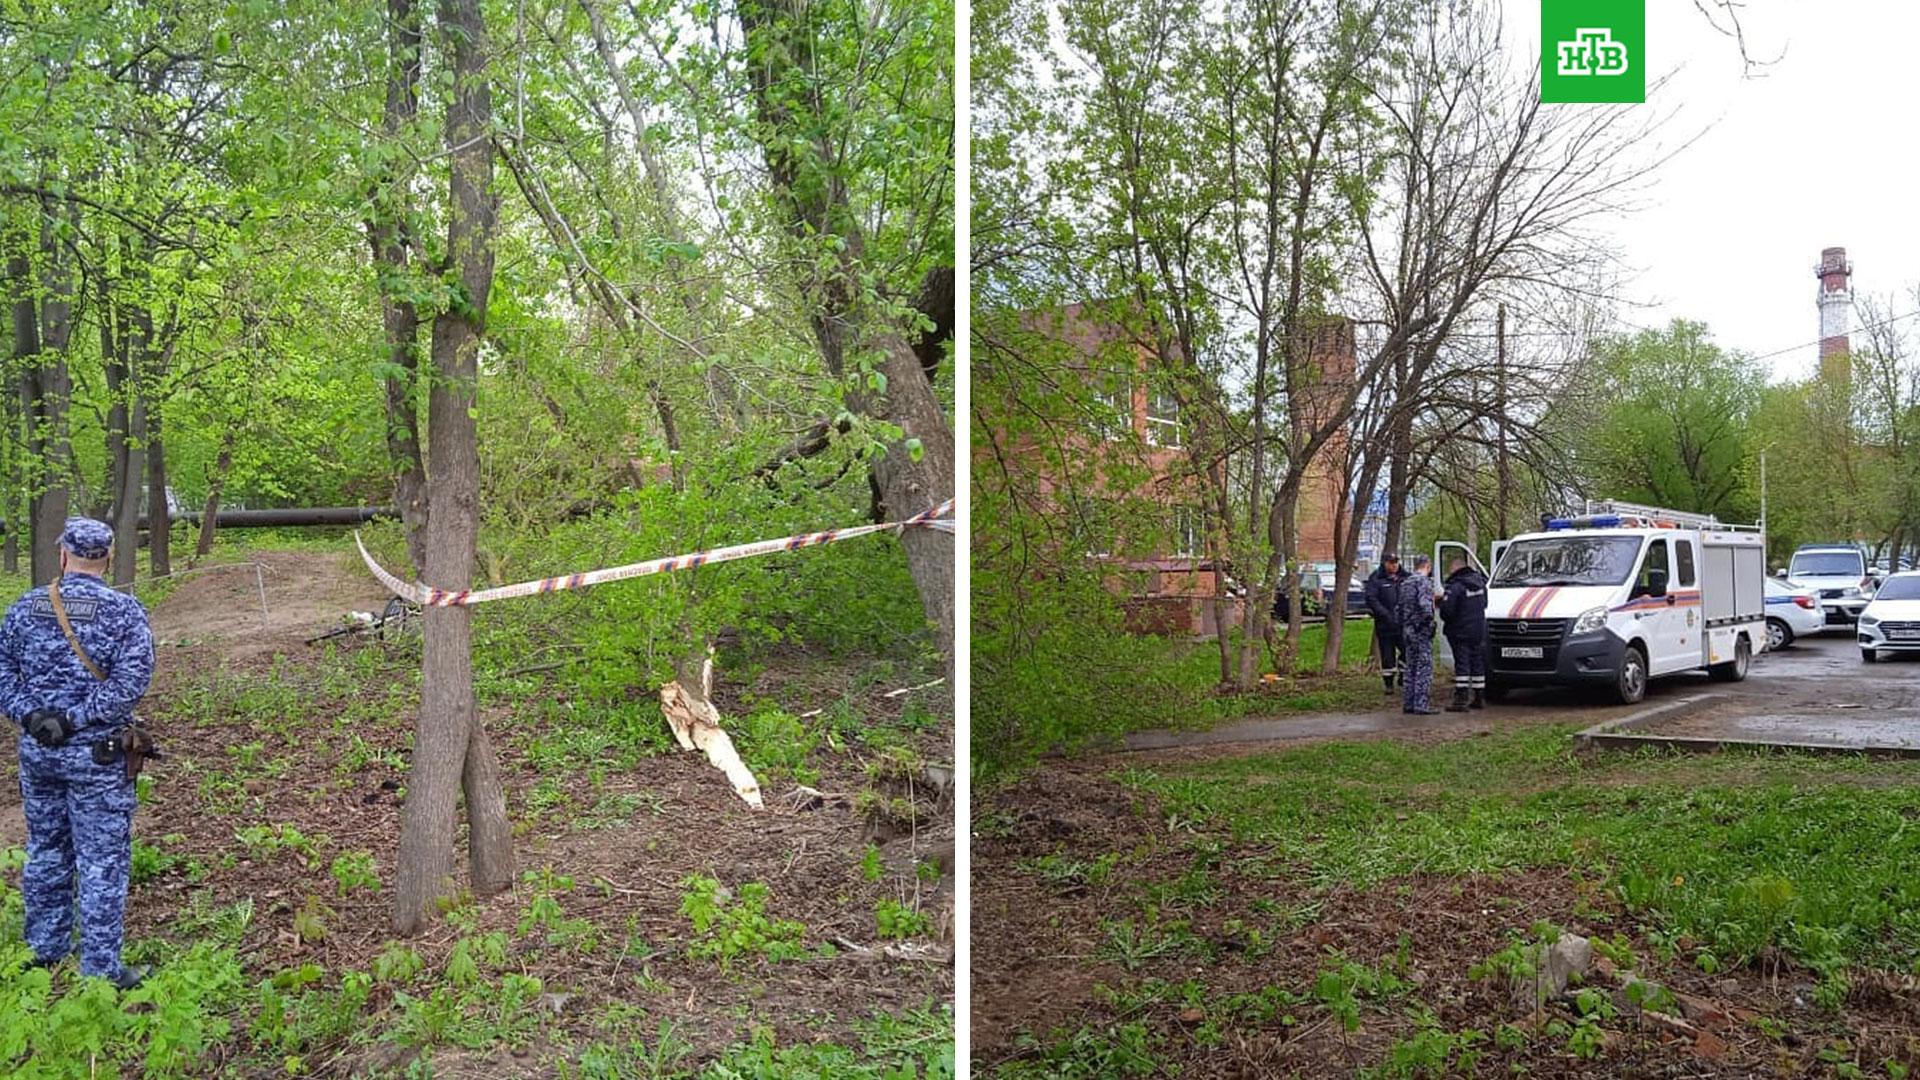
{"x":215,"y":611}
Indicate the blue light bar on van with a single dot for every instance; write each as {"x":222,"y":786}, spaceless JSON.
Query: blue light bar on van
{"x":1586,"y":521}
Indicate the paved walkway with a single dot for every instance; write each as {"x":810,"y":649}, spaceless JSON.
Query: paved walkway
{"x":1816,"y":694}
{"x":1313,"y":726}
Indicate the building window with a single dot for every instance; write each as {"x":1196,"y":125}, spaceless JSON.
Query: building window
{"x":1112,"y":407}
{"x":1163,"y":419}
{"x":1188,"y":531}
{"x":1091,"y":523}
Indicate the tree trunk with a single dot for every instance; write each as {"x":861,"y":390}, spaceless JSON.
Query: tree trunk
{"x":908,"y":486}
{"x":113,"y":359}
{"x":817,"y":204}
{"x":449,"y":752}
{"x":216,"y":483}
{"x":159,"y":519}
{"x":392,"y":250}
{"x":126,"y":509}
{"x":1399,"y":472}
{"x":55,"y":390}
{"x":136,"y":341}
{"x":1505,"y":471}
{"x":1347,"y":553}
{"x":26,"y":389}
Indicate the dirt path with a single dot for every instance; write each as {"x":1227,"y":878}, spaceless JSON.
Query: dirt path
{"x":219,"y":607}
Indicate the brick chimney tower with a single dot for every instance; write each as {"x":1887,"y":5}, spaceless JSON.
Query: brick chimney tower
{"x":1836,"y":307}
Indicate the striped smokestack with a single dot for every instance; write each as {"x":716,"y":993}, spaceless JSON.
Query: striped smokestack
{"x":1836,"y":306}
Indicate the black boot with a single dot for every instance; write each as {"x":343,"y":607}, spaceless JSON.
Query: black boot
{"x":130,"y":976}
{"x":1459,"y":703}
{"x":1388,"y":680}
{"x":1479,"y":700}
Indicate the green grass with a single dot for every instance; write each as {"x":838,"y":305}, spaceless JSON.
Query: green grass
{"x":1813,"y":856}
{"x":1196,"y":671}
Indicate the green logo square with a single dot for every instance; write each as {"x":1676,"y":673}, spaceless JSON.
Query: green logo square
{"x":1593,"y":50}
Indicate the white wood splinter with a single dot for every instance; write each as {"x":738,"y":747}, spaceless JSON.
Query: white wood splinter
{"x":696,"y":725}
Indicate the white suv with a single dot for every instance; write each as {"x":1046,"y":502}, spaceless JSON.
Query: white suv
{"x":1838,"y":573}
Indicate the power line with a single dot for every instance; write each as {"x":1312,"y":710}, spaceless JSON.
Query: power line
{"x":1576,"y":335}
{"x":1889,"y":321}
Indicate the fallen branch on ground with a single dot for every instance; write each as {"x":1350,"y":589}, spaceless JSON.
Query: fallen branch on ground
{"x":696,"y":725}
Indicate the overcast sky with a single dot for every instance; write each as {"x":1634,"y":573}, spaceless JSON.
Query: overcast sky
{"x":1817,"y":150}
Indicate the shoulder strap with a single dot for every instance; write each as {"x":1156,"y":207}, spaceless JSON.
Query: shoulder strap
{"x":66,"y":627}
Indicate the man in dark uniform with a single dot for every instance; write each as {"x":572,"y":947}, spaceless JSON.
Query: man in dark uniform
{"x":1464,"y":607}
{"x":1416,"y":636}
{"x":75,"y":656}
{"x":1382,"y":590}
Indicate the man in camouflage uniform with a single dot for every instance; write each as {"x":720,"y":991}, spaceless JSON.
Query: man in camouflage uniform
{"x":1416,"y":636}
{"x":74,"y":786}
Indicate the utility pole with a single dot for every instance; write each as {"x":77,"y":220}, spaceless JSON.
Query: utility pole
{"x":1500,"y":411}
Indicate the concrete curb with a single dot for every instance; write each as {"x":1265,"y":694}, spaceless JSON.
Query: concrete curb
{"x":1694,"y":744}
{"x":1608,"y":733}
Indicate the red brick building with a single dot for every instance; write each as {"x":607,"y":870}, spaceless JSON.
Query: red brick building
{"x":1158,"y":554}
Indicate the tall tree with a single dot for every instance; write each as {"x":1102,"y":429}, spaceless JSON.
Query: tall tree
{"x":846,"y":94}
{"x":390,"y":232}
{"x":451,"y":751}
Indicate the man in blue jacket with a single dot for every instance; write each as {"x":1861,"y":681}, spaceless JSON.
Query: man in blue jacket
{"x":75,"y":656}
{"x":1464,"y":607}
{"x":1382,"y":591}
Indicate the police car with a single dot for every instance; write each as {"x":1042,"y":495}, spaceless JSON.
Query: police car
{"x":1791,"y":613}
{"x":1621,"y":594}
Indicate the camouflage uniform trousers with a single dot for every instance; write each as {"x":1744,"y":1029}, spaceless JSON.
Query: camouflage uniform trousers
{"x":79,"y":836}
{"x":1417,"y":671}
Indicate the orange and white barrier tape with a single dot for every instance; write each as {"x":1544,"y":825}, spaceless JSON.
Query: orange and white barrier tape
{"x":940,"y":517}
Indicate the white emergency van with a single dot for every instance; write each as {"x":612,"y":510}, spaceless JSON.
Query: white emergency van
{"x":1620,"y":594}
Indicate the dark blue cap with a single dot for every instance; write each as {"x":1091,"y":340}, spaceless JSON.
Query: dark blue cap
{"x":87,"y":538}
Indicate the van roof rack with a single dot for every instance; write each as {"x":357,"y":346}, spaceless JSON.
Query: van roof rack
{"x":1652,"y":513}
{"x":1614,"y":514}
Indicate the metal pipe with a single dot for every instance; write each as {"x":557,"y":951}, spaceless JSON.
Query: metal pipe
{"x":286,"y":518}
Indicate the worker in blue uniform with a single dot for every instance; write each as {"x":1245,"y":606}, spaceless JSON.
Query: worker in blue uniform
{"x":1417,"y":623}
{"x":75,"y":657}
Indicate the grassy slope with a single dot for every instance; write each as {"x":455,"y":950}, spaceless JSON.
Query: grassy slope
{"x":1728,"y":864}
{"x":263,"y":908}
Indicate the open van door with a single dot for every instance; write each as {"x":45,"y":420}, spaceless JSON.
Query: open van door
{"x":1442,"y":551}
{"x":1495,"y":553}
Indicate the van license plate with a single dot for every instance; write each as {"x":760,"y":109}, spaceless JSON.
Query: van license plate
{"x":1903,"y":635}
{"x":1523,"y":652}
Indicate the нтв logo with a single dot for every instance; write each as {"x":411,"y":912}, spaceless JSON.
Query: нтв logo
{"x":1593,"y":50}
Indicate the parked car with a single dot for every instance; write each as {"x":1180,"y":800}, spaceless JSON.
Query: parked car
{"x":1356,"y":598}
{"x":1312,"y":606}
{"x":1316,"y":594}
{"x":1838,"y":573}
{"x":1791,"y":612}
{"x":1356,"y":591}
{"x":1892,"y":620}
